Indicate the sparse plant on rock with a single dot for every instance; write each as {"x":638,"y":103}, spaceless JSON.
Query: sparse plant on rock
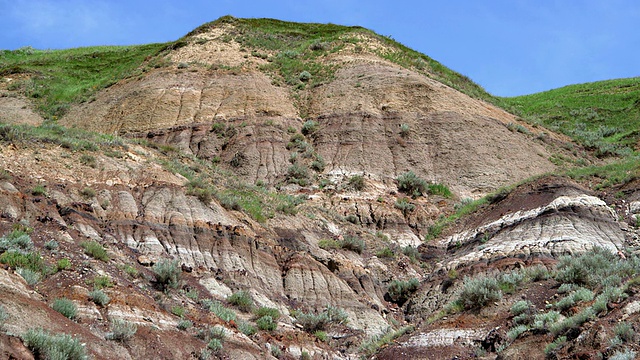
{"x":411,"y":184}
{"x":99,"y":297}
{"x":65,"y":307}
{"x":95,"y":250}
{"x":167,"y":273}
{"x":121,"y":330}
{"x":49,"y":346}
{"x":242,"y":300}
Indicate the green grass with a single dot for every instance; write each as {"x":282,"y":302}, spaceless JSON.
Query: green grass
{"x":603,"y":116}
{"x":59,"y":78}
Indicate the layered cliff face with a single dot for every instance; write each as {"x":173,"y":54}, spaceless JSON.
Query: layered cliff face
{"x":283,"y":187}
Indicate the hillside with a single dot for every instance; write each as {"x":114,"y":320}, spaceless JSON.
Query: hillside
{"x":266,"y":189}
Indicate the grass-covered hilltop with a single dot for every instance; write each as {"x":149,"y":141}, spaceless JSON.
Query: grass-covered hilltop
{"x":262,"y":189}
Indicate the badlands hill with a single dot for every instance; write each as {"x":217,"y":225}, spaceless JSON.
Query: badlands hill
{"x":264,"y":189}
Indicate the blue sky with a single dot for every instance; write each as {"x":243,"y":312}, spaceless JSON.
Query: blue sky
{"x":510,"y":47}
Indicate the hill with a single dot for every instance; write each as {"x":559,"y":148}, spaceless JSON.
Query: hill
{"x":267,"y":189}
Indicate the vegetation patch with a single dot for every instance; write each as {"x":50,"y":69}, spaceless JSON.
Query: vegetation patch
{"x":45,"y":345}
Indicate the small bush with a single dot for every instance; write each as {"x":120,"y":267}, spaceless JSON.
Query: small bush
{"x":411,"y":184}
{"x":65,"y":307}
{"x":520,"y":307}
{"x":543,"y":321}
{"x":88,"y":193}
{"x":328,"y":244}
{"x":215,"y":345}
{"x":51,"y":245}
{"x":298,"y":174}
{"x":103,"y":281}
{"x":513,"y":333}
{"x":304,"y":76}
{"x":266,"y":323}
{"x":624,"y":331}
{"x":276,"y":352}
{"x":50,"y":346}
{"x":264,"y":311}
{"x":17,"y":240}
{"x":479,"y":292}
{"x":626,"y":354}
{"x":130,"y":270}
{"x":222,"y":312}
{"x":178,"y":311}
{"x":439,"y":189}
{"x":184,"y":324}
{"x":39,"y":190}
{"x":309,"y":127}
{"x":555,"y":345}
{"x":321,"y":335}
{"x":121,"y":330}
{"x":404,"y":205}
{"x":581,"y":294}
{"x":352,"y":243}
{"x":356,"y":182}
{"x":404,"y":130}
{"x":399,"y":291}
{"x":246,"y":328}
{"x":99,"y":297}
{"x":242,"y":300}
{"x":30,"y":276}
{"x":385,"y":253}
{"x":311,"y":322}
{"x":31,"y":260}
{"x":167,"y":273}
{"x":63,"y":264}
{"x":88,"y":160}
{"x":411,"y":252}
{"x":95,"y":250}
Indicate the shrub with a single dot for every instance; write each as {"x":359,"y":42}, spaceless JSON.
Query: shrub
{"x":266,"y":323}
{"x":298,"y":174}
{"x":121,"y":330}
{"x":99,"y":297}
{"x":242,"y":300}
{"x":404,"y":130}
{"x":276,"y":352}
{"x":63,"y":264}
{"x":356,"y":182}
{"x":555,"y":345}
{"x":88,"y":160}
{"x":264,"y":311}
{"x":543,"y":321}
{"x":51,"y":245}
{"x":513,"y":333}
{"x":49,"y":346}
{"x":304,"y":76}
{"x":329,"y":244}
{"x":184,"y":324}
{"x":222,"y":312}
{"x":411,"y":184}
{"x":624,"y":331}
{"x":321,"y":335}
{"x":508,"y":282}
{"x":479,"y":291}
{"x":178,"y":311}
{"x":39,"y":190}
{"x":520,"y":307}
{"x":95,"y":250}
{"x":352,"y":243}
{"x":399,"y":291}
{"x":581,"y":294}
{"x":411,"y":252}
{"x":439,"y":189}
{"x":385,"y":253}
{"x":309,"y":127}
{"x":30,"y":276}
{"x":215,"y":345}
{"x":626,"y":354}
{"x":536,"y":273}
{"x":17,"y":240}
{"x":88,"y":193}
{"x":31,"y":260}
{"x":246,"y":328}
{"x":167,"y":273}
{"x":311,"y":322}
{"x":103,"y":281}
{"x":404,"y":205}
{"x":65,"y":307}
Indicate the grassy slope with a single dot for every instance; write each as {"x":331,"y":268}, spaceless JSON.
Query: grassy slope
{"x":58,"y":78}
{"x":603,"y":116}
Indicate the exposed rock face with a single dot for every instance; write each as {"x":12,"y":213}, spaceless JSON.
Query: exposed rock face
{"x":452,"y":138}
{"x":567,"y":225}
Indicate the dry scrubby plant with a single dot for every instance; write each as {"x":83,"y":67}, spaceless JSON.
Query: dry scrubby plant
{"x":65,"y":307}
{"x":53,"y":346}
{"x":167,"y":273}
{"x":121,"y":330}
{"x":95,"y":250}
